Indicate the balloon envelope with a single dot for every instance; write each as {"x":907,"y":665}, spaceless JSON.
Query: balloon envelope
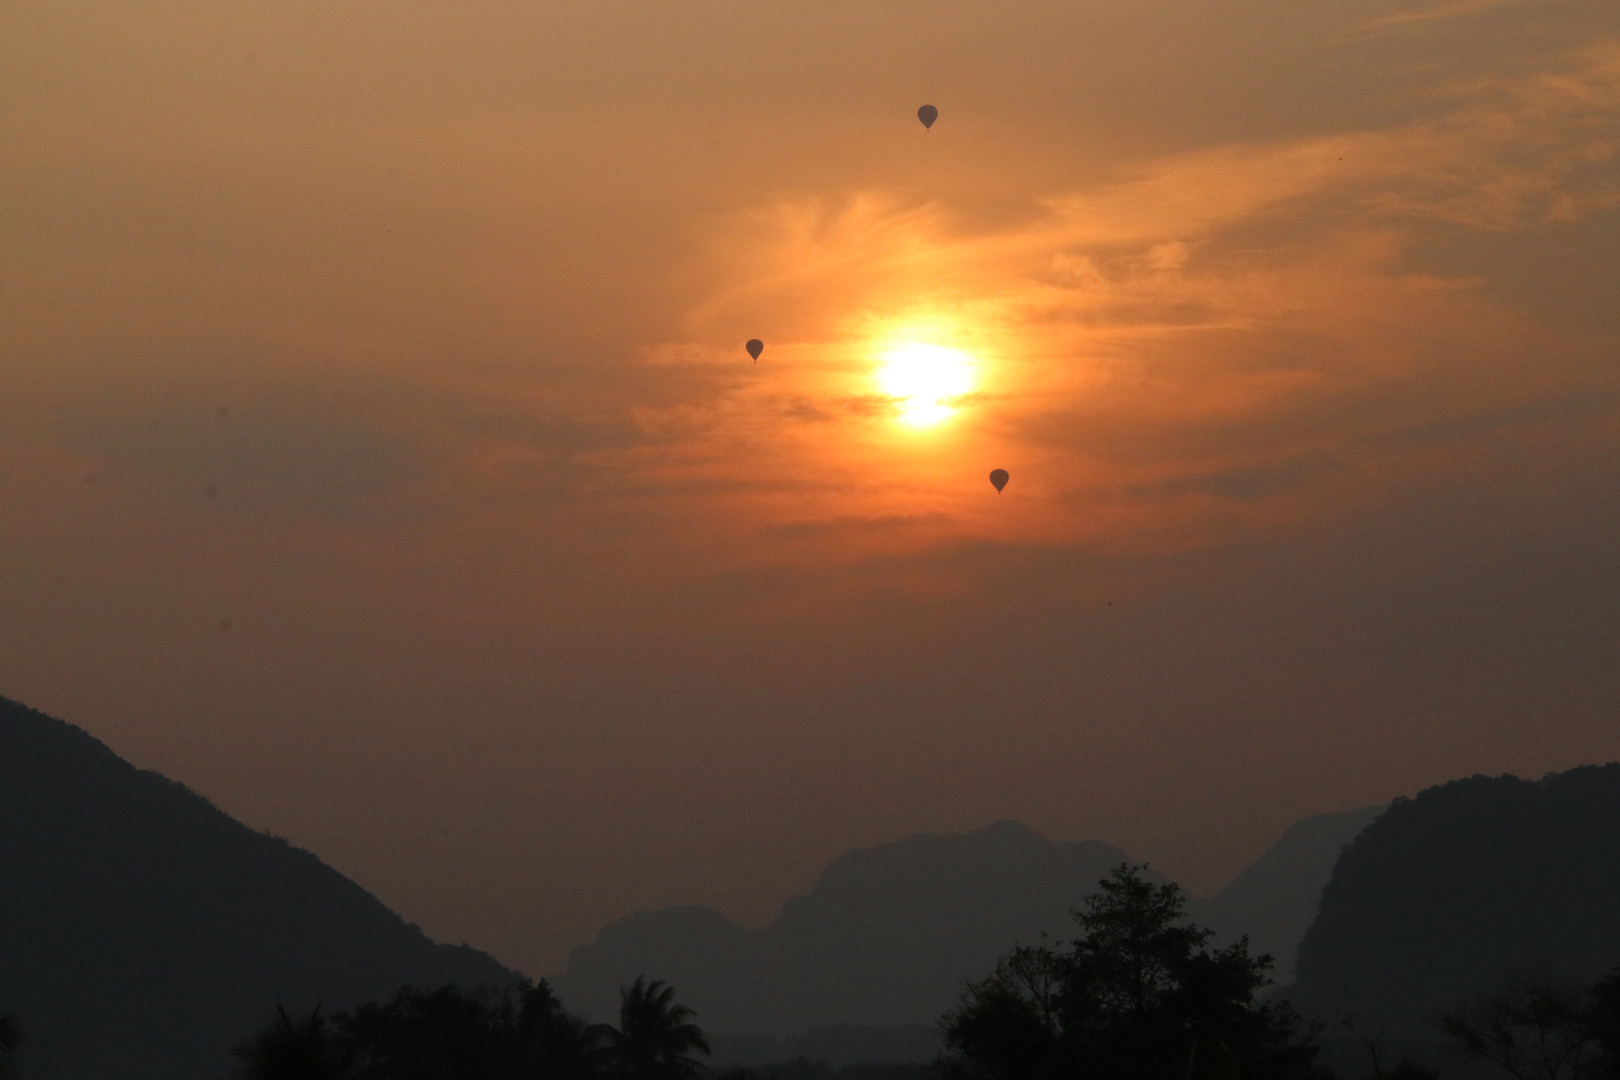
{"x":755,"y":347}
{"x":999,"y":478}
{"x":928,"y":114}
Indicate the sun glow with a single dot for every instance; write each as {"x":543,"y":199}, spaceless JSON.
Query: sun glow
{"x":926,"y":381}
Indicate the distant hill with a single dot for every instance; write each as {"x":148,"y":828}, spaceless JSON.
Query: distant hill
{"x":883,"y":939}
{"x":1447,"y":894}
{"x":888,"y":934}
{"x":143,"y":932}
{"x":1275,"y":900}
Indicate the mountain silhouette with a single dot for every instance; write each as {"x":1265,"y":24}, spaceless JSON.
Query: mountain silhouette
{"x":1449,"y":894}
{"x":144,"y":932}
{"x":883,"y":939}
{"x":888,"y":933}
{"x":1275,"y":900}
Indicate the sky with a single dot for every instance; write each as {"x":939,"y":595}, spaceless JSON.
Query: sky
{"x":380,"y":458}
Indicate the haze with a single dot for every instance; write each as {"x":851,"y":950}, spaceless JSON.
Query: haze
{"x":379,"y":455}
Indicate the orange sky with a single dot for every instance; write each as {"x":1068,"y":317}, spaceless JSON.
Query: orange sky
{"x":407,"y":337}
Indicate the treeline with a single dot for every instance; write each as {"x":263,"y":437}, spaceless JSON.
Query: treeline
{"x":1539,"y":1030}
{"x":1138,"y":994}
{"x":447,"y":1034}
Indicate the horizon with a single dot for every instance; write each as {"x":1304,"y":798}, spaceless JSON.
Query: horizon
{"x":381,"y":455}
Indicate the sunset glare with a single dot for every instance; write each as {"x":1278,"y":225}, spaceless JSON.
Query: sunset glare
{"x":925,"y":381}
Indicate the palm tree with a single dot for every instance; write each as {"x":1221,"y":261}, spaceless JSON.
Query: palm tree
{"x":655,"y":1037}
{"x":291,"y":1049}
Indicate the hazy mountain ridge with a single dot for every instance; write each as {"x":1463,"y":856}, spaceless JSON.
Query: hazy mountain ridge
{"x":882,"y":939}
{"x":1275,"y":899}
{"x":145,"y":930}
{"x":1470,"y":883}
{"x":888,"y":933}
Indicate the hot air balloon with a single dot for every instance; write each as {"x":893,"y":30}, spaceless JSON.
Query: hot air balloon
{"x":927,"y":114}
{"x":999,"y":478}
{"x":755,"y":347}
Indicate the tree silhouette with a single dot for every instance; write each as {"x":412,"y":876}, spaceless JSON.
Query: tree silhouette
{"x":450,"y":1034}
{"x":1138,"y":996}
{"x":1405,"y":1068}
{"x":555,"y":1044}
{"x":1604,"y":1017}
{"x":655,"y":1038}
{"x":303,"y":1049}
{"x":10,"y":1039}
{"x":441,"y":1034}
{"x":1007,"y":1024}
{"x":1533,"y":1031}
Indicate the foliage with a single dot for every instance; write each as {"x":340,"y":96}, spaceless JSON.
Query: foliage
{"x":655,"y":1038}
{"x":10,"y":1039}
{"x":440,"y":1034}
{"x":814,"y":1069}
{"x":555,"y":1044}
{"x":447,"y":1034}
{"x":289,"y":1049}
{"x":1405,"y":1069}
{"x":1603,"y":1020}
{"x":1138,"y":996}
{"x":1533,"y":1031}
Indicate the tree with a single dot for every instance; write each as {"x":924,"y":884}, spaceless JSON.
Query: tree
{"x":10,"y":1039}
{"x":1008,"y":1022}
{"x":1533,"y":1030}
{"x":555,"y":1044}
{"x":446,"y":1034}
{"x":655,"y":1038}
{"x":1604,"y":1017}
{"x":1405,"y":1069}
{"x":441,"y":1034}
{"x":289,"y":1049}
{"x":1138,"y":996}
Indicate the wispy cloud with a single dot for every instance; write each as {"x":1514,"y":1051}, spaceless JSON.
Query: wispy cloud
{"x":1433,"y":14}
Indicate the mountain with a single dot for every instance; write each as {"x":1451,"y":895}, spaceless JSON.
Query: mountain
{"x":885,"y":937}
{"x":888,"y":934}
{"x":1275,"y":900}
{"x":143,"y":932}
{"x":1449,"y":894}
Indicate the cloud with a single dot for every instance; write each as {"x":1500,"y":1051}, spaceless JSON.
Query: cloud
{"x":1434,"y":14}
{"x":1192,"y":333}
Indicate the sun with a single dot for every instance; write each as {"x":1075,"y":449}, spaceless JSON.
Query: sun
{"x":926,"y":381}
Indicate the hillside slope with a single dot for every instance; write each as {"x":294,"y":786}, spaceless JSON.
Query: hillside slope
{"x":143,"y":931}
{"x":1468,"y":884}
{"x":1276,"y":898}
